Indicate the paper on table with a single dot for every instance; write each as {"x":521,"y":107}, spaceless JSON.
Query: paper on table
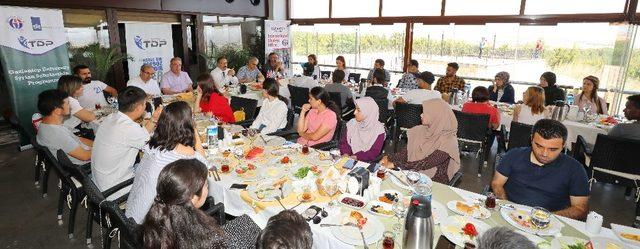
{"x":361,"y":164}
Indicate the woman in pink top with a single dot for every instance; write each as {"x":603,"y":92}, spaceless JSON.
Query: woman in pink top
{"x":318,"y":120}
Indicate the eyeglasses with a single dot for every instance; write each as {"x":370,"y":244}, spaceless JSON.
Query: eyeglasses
{"x":148,"y":73}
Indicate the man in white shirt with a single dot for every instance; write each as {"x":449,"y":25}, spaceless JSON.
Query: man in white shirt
{"x":423,"y":93}
{"x":175,"y":80}
{"x":92,"y":95}
{"x":146,"y":81}
{"x":119,"y":139}
{"x":223,"y":76}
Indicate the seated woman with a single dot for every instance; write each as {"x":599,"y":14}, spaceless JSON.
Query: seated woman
{"x":311,"y":68}
{"x":318,"y":119}
{"x":211,"y":101}
{"x":589,"y":96}
{"x":72,"y":86}
{"x":480,"y":105}
{"x":502,"y":90}
{"x":273,"y":113}
{"x":175,"y":138}
{"x":364,"y":137}
{"x":432,"y":148}
{"x":182,"y":189}
{"x":533,"y":108}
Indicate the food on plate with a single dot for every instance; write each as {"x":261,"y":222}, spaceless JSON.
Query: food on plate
{"x":467,"y":209}
{"x":285,"y":160}
{"x":579,"y":245}
{"x":235,"y":135}
{"x":302,"y":172}
{"x":630,"y":236}
{"x":226,"y":153}
{"x":522,"y":219}
{"x":323,"y":156}
{"x":306,"y":196}
{"x":380,"y":210}
{"x":246,"y":171}
{"x":358,"y":219}
{"x":280,"y":182}
{"x":470,"y":229}
{"x":352,"y":202}
{"x":254,"y":152}
{"x":608,"y":121}
{"x":315,"y":169}
{"x":224,"y":168}
{"x":272,"y":172}
{"x":389,"y":198}
{"x":251,"y":166}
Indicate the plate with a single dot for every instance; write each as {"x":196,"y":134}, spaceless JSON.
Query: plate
{"x":272,"y":172}
{"x":321,"y":158}
{"x":313,"y":197}
{"x":271,"y":141}
{"x":423,"y":178}
{"x":438,"y":211}
{"x":618,"y":230}
{"x":266,"y":192}
{"x":564,"y":241}
{"x":536,"y":240}
{"x":397,"y":196}
{"x":248,"y":175}
{"x":372,"y":230}
{"x":472,"y":210}
{"x":283,"y":151}
{"x":606,"y":243}
{"x":452,"y":226}
{"x":554,"y":226}
{"x":354,"y":199}
{"x":383,"y":205}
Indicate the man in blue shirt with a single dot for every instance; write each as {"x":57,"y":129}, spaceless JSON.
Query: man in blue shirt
{"x":541,"y":175}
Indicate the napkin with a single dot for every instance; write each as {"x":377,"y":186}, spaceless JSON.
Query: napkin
{"x":256,"y":205}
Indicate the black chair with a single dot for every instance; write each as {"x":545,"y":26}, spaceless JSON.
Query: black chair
{"x":614,"y":160}
{"x":25,"y":133}
{"x":355,"y":77}
{"x":456,"y":179}
{"x":519,"y":135}
{"x":299,"y":97}
{"x":386,"y":115}
{"x":128,"y":231}
{"x":325,"y":74}
{"x":65,"y":185}
{"x":335,"y":140}
{"x":336,"y":97}
{"x":75,"y":190}
{"x":473,"y":130}
{"x":249,"y":107}
{"x":407,"y":116}
{"x":288,"y":129}
{"x":580,"y":151}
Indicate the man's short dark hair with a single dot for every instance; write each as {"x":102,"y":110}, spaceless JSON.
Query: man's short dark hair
{"x":129,"y":98}
{"x":414,"y":62}
{"x":286,"y":230}
{"x":635,"y":100}
{"x":453,"y":65}
{"x":378,"y":74}
{"x":77,"y":68}
{"x":427,"y":77}
{"x":480,"y":94}
{"x":380,"y":61}
{"x":549,"y":129}
{"x":220,"y":58}
{"x":49,"y":100}
{"x":337,"y":76}
{"x":550,"y":77}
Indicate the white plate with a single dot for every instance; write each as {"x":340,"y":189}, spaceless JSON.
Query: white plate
{"x":272,"y":172}
{"x":283,"y":152}
{"x":392,"y":192}
{"x":357,"y":197}
{"x":482,"y":212}
{"x":438,"y":212}
{"x":270,"y":193}
{"x":247,"y":176}
{"x":384,"y":205}
{"x":452,"y":226}
{"x":554,"y":226}
{"x":619,"y":229}
{"x":271,"y":141}
{"x":423,"y":178}
{"x":559,"y":242}
{"x":372,"y":230}
{"x":533,"y":238}
{"x":602,"y":242}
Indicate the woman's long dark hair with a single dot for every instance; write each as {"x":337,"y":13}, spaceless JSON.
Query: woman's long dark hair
{"x":205,"y":81}
{"x":172,"y":220}
{"x":273,"y":89}
{"x":322,"y":95}
{"x":175,"y":126}
{"x":594,"y":93}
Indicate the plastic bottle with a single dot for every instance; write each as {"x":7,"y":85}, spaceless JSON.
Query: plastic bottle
{"x":212,"y":135}
{"x":570,"y":99}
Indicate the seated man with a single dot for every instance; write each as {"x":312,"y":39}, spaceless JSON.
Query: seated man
{"x":632,"y":113}
{"x":377,"y":91}
{"x":250,"y":72}
{"x":338,"y":87}
{"x":286,"y":230}
{"x":54,"y":106}
{"x":541,"y":175}
{"x":423,"y":93}
{"x":175,"y":80}
{"x":223,"y":76}
{"x":379,"y":64}
{"x":146,"y":81}
{"x":450,"y":80}
{"x":93,"y":90}
{"x":408,"y":80}
{"x":120,"y":138}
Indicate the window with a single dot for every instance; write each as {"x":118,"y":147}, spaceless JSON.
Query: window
{"x":85,"y":27}
{"x":309,"y":9}
{"x":411,"y":7}
{"x":484,"y":7}
{"x":536,"y":7}
{"x":355,"y":8}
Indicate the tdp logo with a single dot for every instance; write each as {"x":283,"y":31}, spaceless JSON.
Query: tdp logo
{"x":148,"y":43}
{"x":36,"y":43}
{"x":15,"y":22}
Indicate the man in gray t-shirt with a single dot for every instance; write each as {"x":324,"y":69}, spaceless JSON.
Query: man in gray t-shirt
{"x":632,"y":113}
{"x":338,"y":87}
{"x":54,"y":106}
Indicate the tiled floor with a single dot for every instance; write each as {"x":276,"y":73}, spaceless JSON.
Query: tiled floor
{"x":29,"y":221}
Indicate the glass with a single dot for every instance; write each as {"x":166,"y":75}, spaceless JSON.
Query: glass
{"x":413,"y":177}
{"x":399,"y":210}
{"x":537,"y":7}
{"x":305,"y":149}
{"x":331,"y":188}
{"x":355,"y":8}
{"x":411,"y":7}
{"x":485,"y":7}
{"x":388,"y":241}
{"x":335,"y":155}
{"x":423,"y":189}
{"x":382,"y":171}
{"x":540,"y":217}
{"x":301,"y":9}
{"x":490,"y":202}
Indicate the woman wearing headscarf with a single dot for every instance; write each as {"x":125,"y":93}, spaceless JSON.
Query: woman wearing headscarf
{"x":432,"y":147}
{"x":552,"y":93}
{"x":502,"y":90}
{"x":365,"y":135}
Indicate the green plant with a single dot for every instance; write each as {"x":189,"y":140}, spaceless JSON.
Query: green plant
{"x":236,"y":56}
{"x":99,"y":59}
{"x":256,"y":46}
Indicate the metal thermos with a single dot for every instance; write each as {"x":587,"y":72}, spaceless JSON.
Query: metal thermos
{"x":418,"y":227}
{"x":560,"y":111}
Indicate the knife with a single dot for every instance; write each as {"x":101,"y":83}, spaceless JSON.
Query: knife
{"x":403,"y":181}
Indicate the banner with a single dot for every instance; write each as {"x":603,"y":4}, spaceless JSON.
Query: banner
{"x":149,"y":43}
{"x":33,"y":54}
{"x":277,"y":39}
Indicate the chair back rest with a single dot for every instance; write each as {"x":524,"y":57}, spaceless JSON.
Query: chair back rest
{"x":290,"y":119}
{"x":519,"y":135}
{"x":578,"y":150}
{"x":248,"y":105}
{"x":355,"y":77}
{"x":473,"y":127}
{"x":336,"y":98}
{"x":615,"y":154}
{"x":408,"y":115}
{"x":325,"y":74}
{"x":70,"y":167}
{"x":299,"y":97}
{"x":130,"y":231}
{"x":53,"y":163}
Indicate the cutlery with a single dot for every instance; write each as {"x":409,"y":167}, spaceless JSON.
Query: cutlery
{"x":400,"y":179}
{"x":279,"y":202}
{"x":281,"y":192}
{"x":364,"y":242}
{"x":296,"y":205}
{"x":348,"y":224}
{"x":215,"y":172}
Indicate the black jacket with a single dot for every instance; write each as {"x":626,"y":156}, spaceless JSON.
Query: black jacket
{"x":553,"y":94}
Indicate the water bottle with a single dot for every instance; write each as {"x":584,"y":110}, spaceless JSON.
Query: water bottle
{"x":212,"y":135}
{"x":570,"y":99}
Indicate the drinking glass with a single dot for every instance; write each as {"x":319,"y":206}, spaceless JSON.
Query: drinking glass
{"x":331,"y":187}
{"x":335,"y":155}
{"x":388,"y":241}
{"x":586,"y":108}
{"x":399,"y":210}
{"x":540,"y":217}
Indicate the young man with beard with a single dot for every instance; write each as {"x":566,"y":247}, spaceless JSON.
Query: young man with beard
{"x":93,"y":89}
